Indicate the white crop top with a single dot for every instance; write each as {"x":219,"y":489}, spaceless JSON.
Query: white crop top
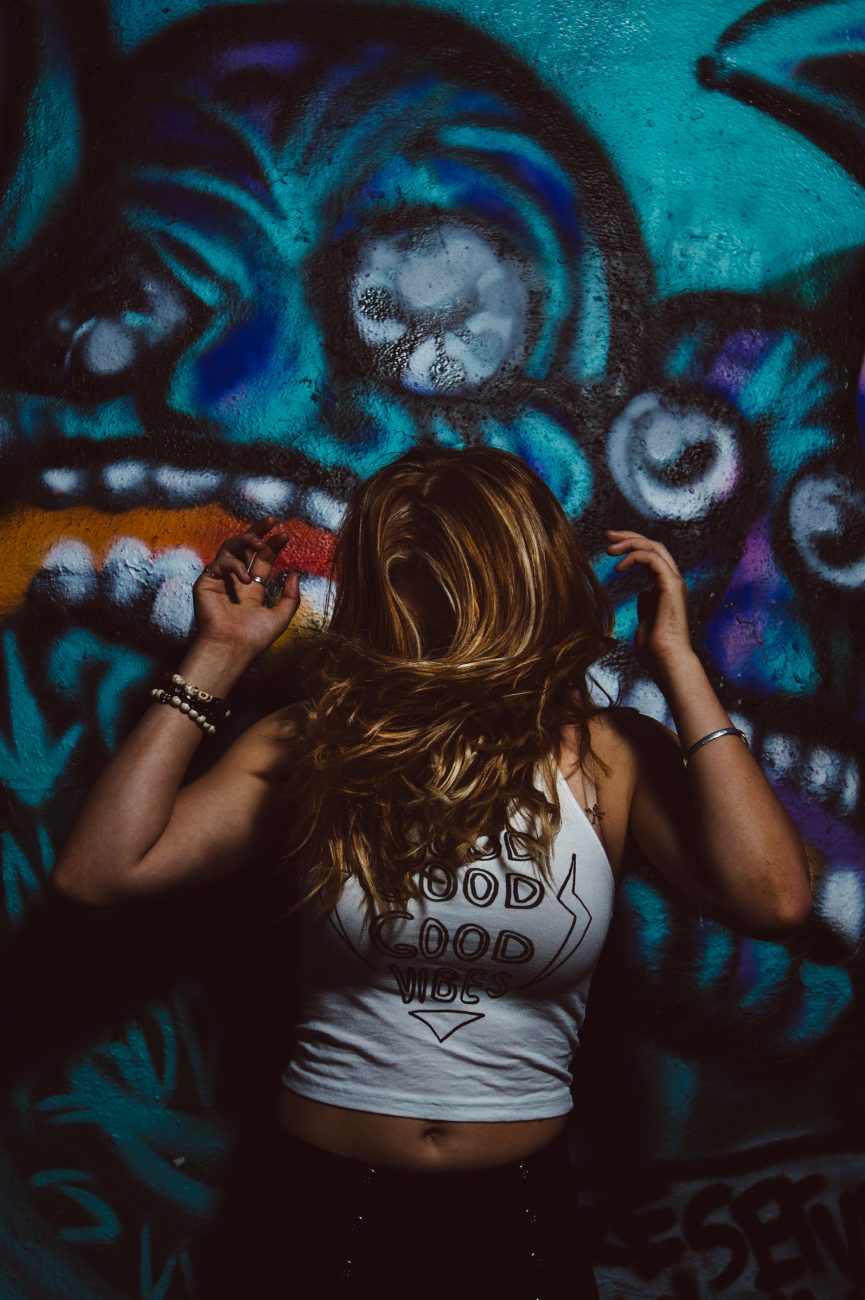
{"x":466,"y":1004}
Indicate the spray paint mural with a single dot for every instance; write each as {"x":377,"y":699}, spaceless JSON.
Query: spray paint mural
{"x":251,"y":252}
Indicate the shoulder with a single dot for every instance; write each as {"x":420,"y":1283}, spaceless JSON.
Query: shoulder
{"x":641,"y":762}
{"x":281,"y":724}
{"x":625,"y":732}
{"x":635,"y":748}
{"x":262,"y":750}
{"x":646,"y":782}
{"x":614,"y":734}
{"x":613,"y":768}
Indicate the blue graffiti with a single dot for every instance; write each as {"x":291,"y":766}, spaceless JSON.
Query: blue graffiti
{"x":31,"y":758}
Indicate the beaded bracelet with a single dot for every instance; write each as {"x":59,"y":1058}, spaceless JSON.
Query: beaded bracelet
{"x":204,"y":709}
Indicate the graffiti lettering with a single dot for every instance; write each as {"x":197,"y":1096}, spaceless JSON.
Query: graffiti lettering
{"x":763,"y":1235}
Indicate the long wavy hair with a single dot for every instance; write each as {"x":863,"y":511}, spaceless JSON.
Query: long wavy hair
{"x":411,"y":743}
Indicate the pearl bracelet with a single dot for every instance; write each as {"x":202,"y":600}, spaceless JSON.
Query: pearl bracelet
{"x":202,"y":708}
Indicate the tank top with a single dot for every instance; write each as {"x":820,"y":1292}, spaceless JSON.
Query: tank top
{"x":467,"y":1003}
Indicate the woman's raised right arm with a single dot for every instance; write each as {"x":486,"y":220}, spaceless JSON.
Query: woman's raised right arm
{"x":138,"y":832}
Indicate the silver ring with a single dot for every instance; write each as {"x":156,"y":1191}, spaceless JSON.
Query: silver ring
{"x":255,"y":578}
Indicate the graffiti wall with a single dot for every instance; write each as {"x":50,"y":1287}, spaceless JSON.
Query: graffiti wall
{"x":250,"y":252}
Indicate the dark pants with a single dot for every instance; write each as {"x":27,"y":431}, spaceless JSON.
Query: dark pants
{"x":317,"y":1226}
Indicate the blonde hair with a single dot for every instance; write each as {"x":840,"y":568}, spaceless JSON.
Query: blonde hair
{"x":406,"y":746}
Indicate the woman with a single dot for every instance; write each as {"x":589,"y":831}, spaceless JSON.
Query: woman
{"x":456,"y":812}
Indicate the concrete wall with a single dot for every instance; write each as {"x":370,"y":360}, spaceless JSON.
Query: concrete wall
{"x":644,"y":227}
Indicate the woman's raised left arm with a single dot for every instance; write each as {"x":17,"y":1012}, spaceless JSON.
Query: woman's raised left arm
{"x":715,"y":829}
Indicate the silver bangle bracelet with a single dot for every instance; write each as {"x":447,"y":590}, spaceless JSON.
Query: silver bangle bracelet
{"x":713,"y":735}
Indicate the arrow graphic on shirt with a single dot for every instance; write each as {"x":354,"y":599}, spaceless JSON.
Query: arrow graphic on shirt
{"x":581,"y":919}
{"x":445,"y":1023}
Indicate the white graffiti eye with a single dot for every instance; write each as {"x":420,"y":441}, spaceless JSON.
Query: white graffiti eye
{"x":671,"y":461}
{"x":106,"y":347}
{"x":827,"y":525}
{"x":442,"y":309}
{"x":108,"y":344}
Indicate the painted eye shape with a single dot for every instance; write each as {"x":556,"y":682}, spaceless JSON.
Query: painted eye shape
{"x":442,"y":309}
{"x":100,"y":339}
{"x":826,"y":514}
{"x":673,"y":461}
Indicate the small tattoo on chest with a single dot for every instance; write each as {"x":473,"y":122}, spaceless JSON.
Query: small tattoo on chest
{"x":594,"y":813}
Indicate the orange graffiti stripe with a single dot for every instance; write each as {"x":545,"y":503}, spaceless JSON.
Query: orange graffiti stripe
{"x":27,"y":535}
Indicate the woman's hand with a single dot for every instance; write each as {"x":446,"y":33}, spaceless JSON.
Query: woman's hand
{"x":718,"y":832}
{"x":662,"y":638}
{"x":229,"y":596}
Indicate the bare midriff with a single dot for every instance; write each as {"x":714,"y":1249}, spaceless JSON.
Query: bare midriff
{"x":408,"y":1143}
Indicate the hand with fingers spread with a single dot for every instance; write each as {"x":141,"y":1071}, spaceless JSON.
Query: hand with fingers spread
{"x":230,"y":595}
{"x":662,"y":637}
